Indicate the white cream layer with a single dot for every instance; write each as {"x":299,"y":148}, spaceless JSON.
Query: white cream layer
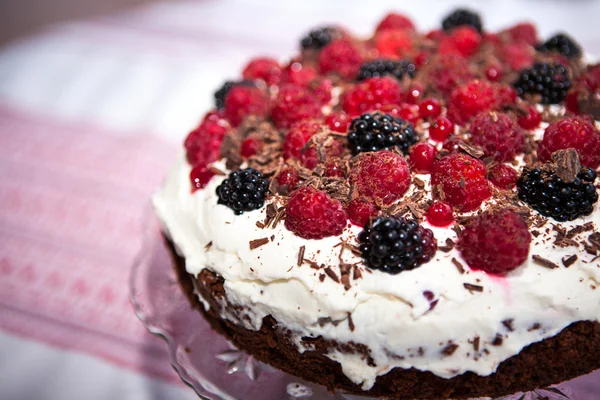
{"x":390,"y":313}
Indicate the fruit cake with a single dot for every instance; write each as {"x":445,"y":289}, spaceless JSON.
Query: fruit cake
{"x":408,"y":215}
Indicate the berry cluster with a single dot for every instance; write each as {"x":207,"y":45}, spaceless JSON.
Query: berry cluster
{"x":394,"y":245}
{"x":373,"y":132}
{"x":550,"y":81}
{"x":546,"y":193}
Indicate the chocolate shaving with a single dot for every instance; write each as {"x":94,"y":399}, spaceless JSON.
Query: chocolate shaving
{"x":473,"y":288}
{"x":419,"y":182}
{"x":476,"y":343}
{"x":449,"y":349}
{"x":459,"y":267}
{"x":321,"y":277}
{"x":301,"y":255}
{"x":569,"y":260}
{"x":357,"y":274}
{"x":544,"y":262}
{"x":260,"y":225}
{"x":312,"y":264}
{"x":208,"y":246}
{"x":346,"y":281}
{"x":473,"y":151}
{"x":258,"y":242}
{"x":508,"y":323}
{"x":332,"y":275}
{"x":534,"y":327}
{"x":567,"y":164}
{"x":497,"y":340}
{"x":350,"y":322}
{"x":588,"y":226}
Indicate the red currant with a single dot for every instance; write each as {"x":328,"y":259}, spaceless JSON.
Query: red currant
{"x":409,"y":112}
{"x":415,"y":91}
{"x":338,"y":122}
{"x":422,"y":157}
{"x":531,"y":120}
{"x":439,"y":214}
{"x":441,"y":129}
{"x":288,"y":177}
{"x":250,"y":147}
{"x":493,"y":72}
{"x":200,"y":176}
{"x":430,"y":108}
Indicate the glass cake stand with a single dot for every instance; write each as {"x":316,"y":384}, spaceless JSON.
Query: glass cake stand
{"x":216,"y":369}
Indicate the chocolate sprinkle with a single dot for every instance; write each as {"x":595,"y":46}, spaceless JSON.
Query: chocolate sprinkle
{"x":476,"y":343}
{"x":458,"y":265}
{"x":208,"y":246}
{"x":258,"y":242}
{"x":301,"y":255}
{"x":332,"y":274}
{"x":508,"y":323}
{"x":475,"y":288}
{"x":544,"y":262}
{"x":450,"y":349}
{"x":350,"y":322}
{"x":497,"y":340}
{"x":569,"y":260}
{"x":567,"y":164}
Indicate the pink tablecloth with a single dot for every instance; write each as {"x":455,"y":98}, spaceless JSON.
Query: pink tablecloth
{"x":91,"y":114}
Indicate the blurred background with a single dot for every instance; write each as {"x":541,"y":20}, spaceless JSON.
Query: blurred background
{"x":95,"y":97}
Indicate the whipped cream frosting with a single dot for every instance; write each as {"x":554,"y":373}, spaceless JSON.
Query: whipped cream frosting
{"x":426,"y":318}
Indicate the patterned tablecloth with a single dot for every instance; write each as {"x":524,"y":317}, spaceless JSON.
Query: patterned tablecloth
{"x":91,"y":114}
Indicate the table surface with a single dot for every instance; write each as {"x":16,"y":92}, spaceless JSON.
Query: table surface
{"x":91,"y":115}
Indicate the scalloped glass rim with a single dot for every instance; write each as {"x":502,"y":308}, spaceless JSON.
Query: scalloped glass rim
{"x":212,"y":366}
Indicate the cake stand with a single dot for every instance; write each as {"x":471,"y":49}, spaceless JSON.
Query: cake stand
{"x":215,"y":368}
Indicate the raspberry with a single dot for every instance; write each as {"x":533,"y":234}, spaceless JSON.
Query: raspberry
{"x":591,"y":78}
{"x":360,"y":211}
{"x":422,"y":157}
{"x":338,"y":122}
{"x":394,"y":21}
{"x":578,"y":133}
{"x":503,"y":176}
{"x":465,"y":39}
{"x":298,"y":74}
{"x":394,"y":245}
{"x":243,"y":190}
{"x":461,"y":180}
{"x":430,"y":108}
{"x":441,"y":129}
{"x":373,"y":132}
{"x":498,"y":135}
{"x":448,"y":72}
{"x":506,"y":96}
{"x":200,"y":176}
{"x":435,"y":35}
{"x":203,"y":144}
{"x":382,"y":67}
{"x":371,"y":94}
{"x":383,"y":176}
{"x":264,"y":68}
{"x":552,"y":197}
{"x":222,"y":92}
{"x":495,"y":243}
{"x":321,"y":37}
{"x":242,"y":101}
{"x":393,"y":43}
{"x":294,"y":103}
{"x":561,"y":44}
{"x":439,"y":214}
{"x":297,"y":137}
{"x":469,"y":100}
{"x":548,"y":80}
{"x":531,"y":120}
{"x":312,"y":214}
{"x":421,"y":59}
{"x":250,"y":147}
{"x":517,"y":55}
{"x":321,"y":89}
{"x":461,"y":17}
{"x":287,"y":180}
{"x":523,"y":32}
{"x":340,"y":57}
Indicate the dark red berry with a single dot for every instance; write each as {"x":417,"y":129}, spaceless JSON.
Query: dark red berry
{"x":338,"y":122}
{"x":503,"y":176}
{"x":430,"y":108}
{"x":422,"y":157}
{"x":440,"y":214}
{"x":287,"y":180}
{"x":360,"y":211}
{"x":312,"y":214}
{"x":441,"y":129}
{"x":531,"y":120}
{"x":200,"y":176}
{"x":250,"y":147}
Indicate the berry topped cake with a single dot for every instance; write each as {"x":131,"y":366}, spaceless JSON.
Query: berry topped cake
{"x":408,"y":215}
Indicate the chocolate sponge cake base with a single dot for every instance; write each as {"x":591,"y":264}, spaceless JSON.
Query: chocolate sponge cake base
{"x":573,"y":352}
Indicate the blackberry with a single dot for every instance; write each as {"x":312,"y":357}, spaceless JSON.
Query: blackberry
{"x":320,"y":37}
{"x":562,"y":44}
{"x":382,"y":67}
{"x":546,"y":193}
{"x":548,"y":80}
{"x":243,"y":190}
{"x":222,"y":92}
{"x":394,"y":245}
{"x":461,"y":17}
{"x":377,"y":131}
